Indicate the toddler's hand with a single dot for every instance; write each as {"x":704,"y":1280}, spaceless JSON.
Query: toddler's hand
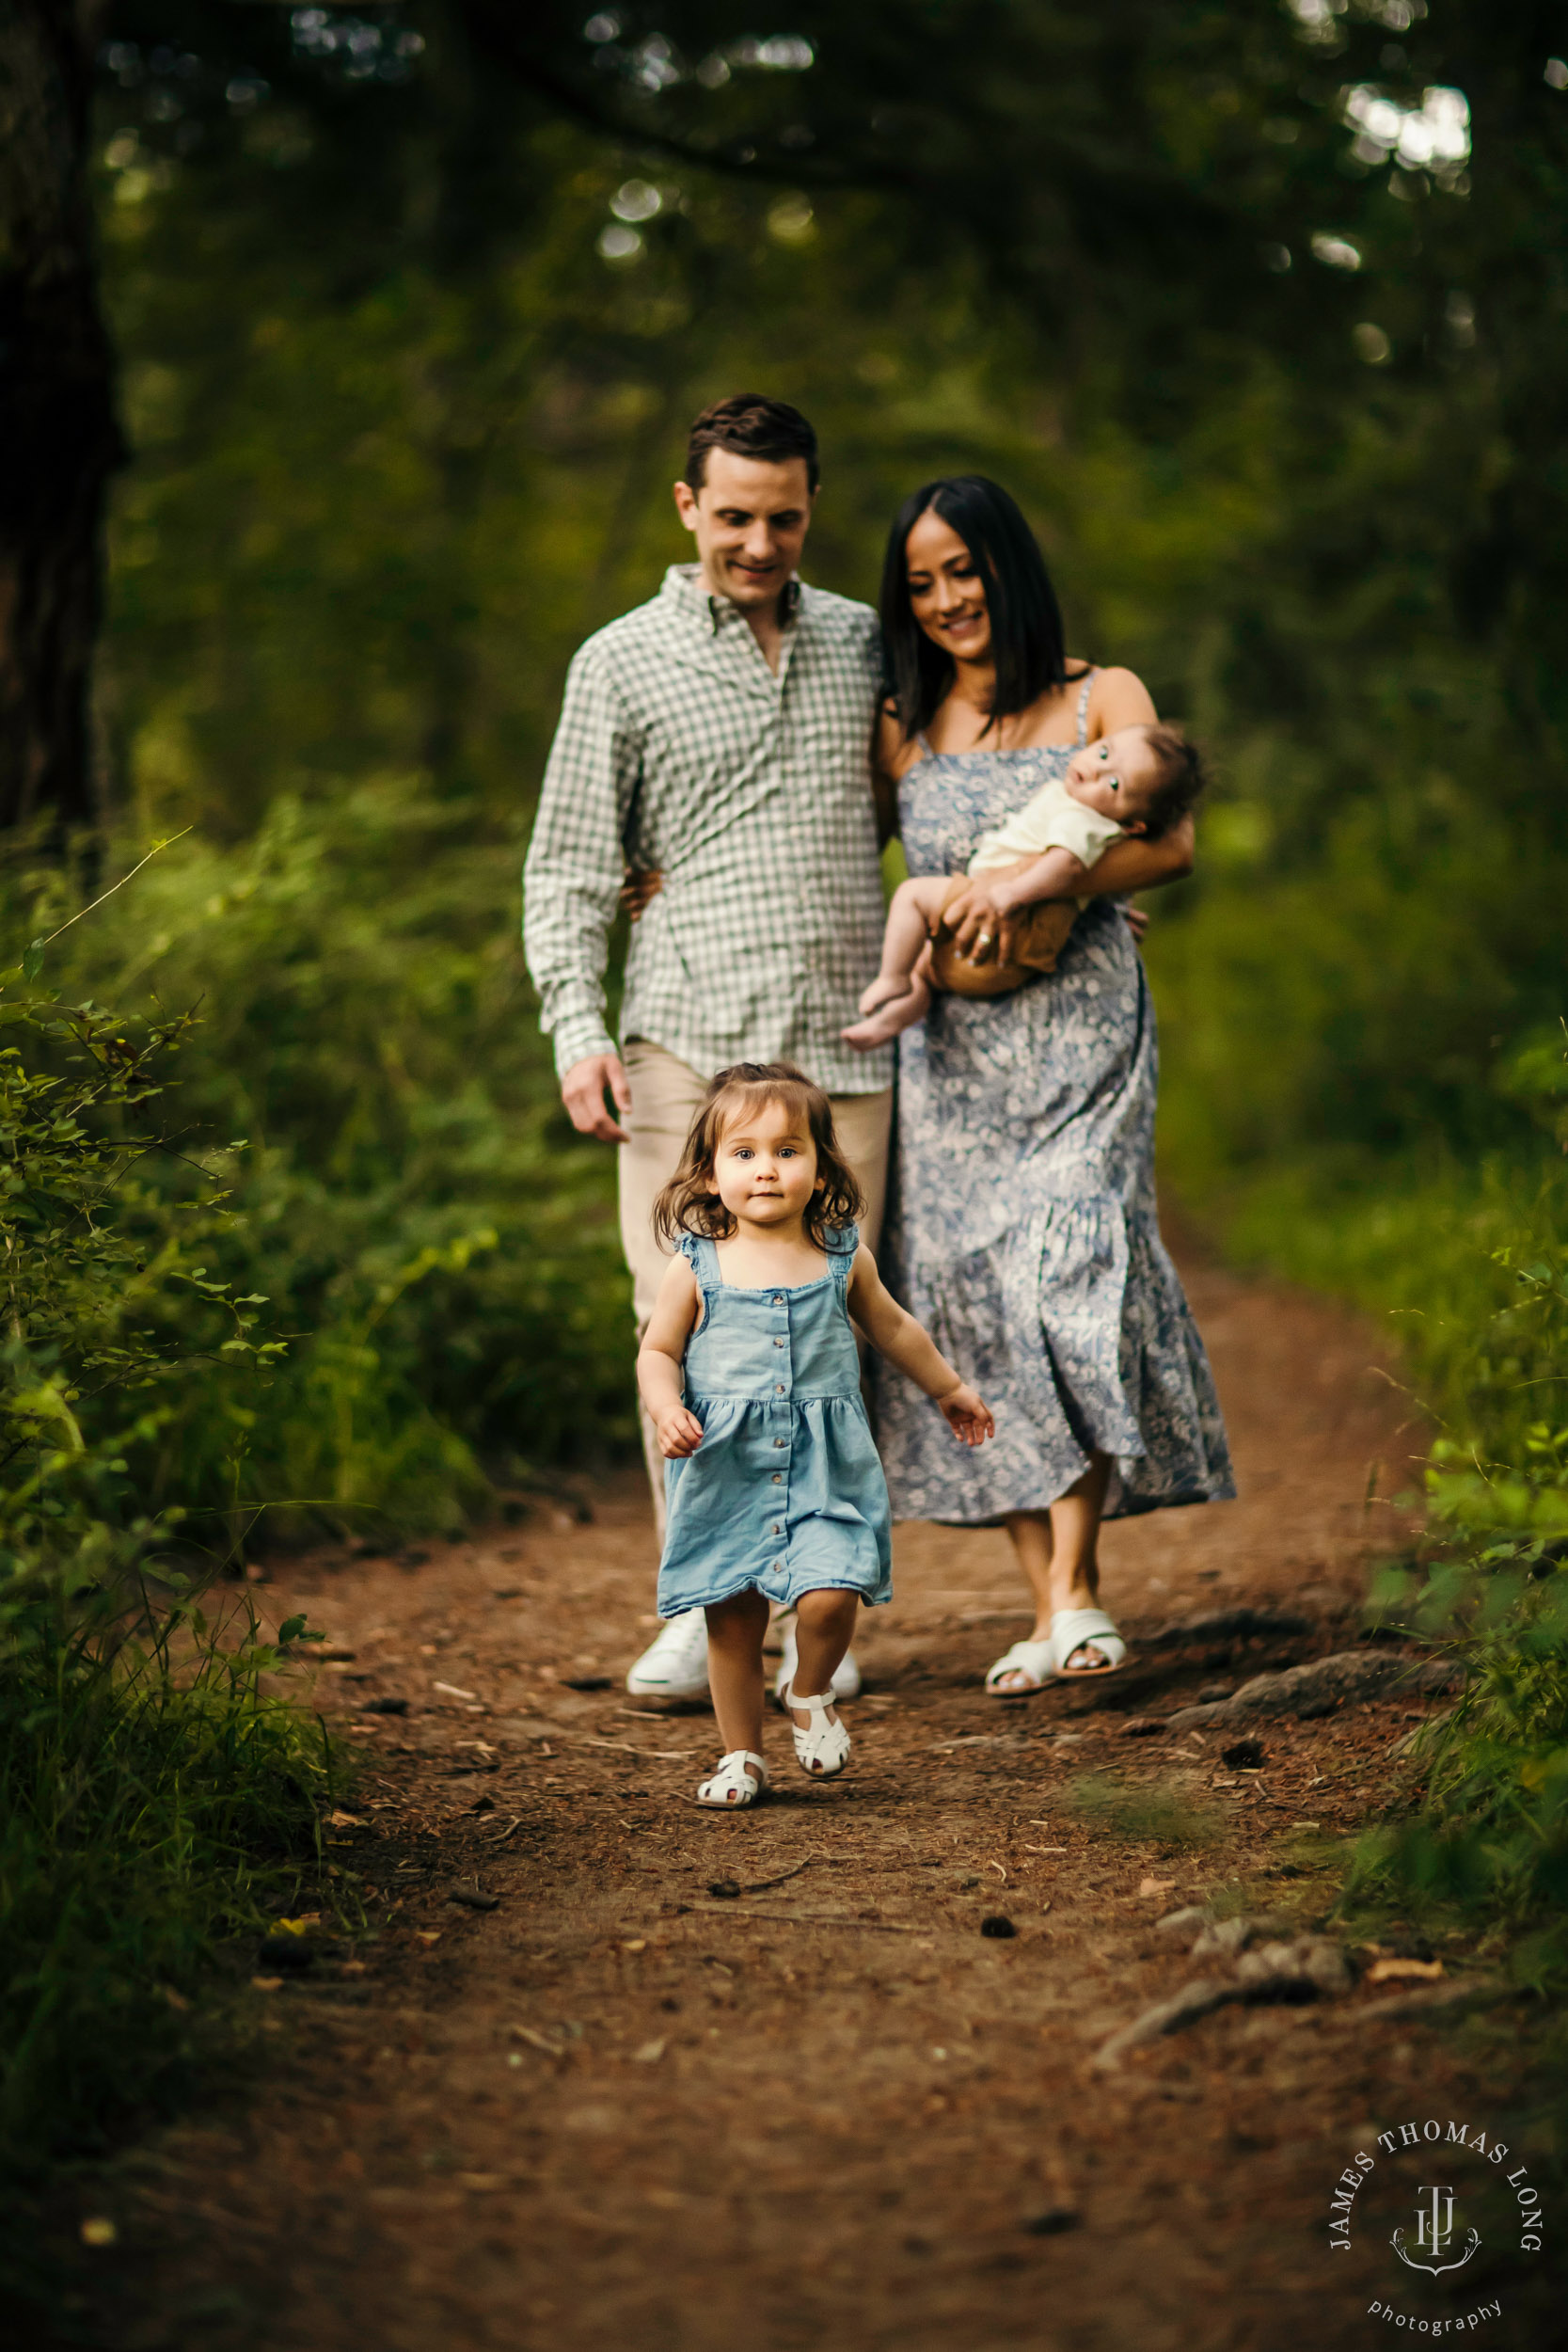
{"x":679,"y":1433}
{"x":968,"y":1414}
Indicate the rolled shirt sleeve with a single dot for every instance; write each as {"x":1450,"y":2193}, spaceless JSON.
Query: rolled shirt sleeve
{"x":576,"y":861}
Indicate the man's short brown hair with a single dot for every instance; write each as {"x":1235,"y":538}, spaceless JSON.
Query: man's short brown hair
{"x":769,"y":430}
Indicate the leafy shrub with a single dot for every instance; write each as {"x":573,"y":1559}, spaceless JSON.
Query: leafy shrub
{"x":150,"y":1787}
{"x":434,"y":1242}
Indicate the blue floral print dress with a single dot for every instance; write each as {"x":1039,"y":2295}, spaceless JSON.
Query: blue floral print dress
{"x":1022,"y":1230}
{"x":785,"y":1491}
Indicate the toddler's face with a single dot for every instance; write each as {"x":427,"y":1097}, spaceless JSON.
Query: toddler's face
{"x":764,"y":1167}
{"x":1117,"y":776}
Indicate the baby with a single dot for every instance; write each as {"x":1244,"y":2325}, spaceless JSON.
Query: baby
{"x":1140,"y":780}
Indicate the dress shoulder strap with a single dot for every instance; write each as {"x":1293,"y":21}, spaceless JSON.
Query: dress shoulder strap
{"x":702,"y":1257}
{"x":841,"y":1246}
{"x":1084,"y":709}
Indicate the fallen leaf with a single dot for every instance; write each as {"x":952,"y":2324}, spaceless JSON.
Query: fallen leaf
{"x":267,"y":1984}
{"x":302,"y":1926}
{"x":428,"y":1935}
{"x":638,"y":1944}
{"x":1155,"y":1887}
{"x":650,"y":2054}
{"x":450,"y":1691}
{"x":1381,"y":1971}
{"x":175,"y":2000}
{"x":539,"y":2040}
{"x":100,"y":2231}
{"x":339,"y":1819}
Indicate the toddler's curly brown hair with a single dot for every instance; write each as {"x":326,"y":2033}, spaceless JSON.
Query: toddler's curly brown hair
{"x":689,"y":1202}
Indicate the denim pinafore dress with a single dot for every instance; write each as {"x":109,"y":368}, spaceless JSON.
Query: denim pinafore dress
{"x":785,"y":1491}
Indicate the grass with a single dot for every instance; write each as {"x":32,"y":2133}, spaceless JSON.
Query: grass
{"x":1158,"y":1816}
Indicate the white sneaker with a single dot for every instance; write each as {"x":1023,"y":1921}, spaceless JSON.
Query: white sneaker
{"x":675,"y":1664}
{"x":846,"y":1674}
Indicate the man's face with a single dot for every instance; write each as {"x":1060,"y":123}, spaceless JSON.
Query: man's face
{"x":750,"y":520}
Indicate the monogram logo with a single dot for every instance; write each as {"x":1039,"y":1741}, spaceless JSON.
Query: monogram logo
{"x":1435,"y":2235}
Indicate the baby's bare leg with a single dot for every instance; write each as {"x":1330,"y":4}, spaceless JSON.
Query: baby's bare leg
{"x":915,"y":912}
{"x":897,"y":998}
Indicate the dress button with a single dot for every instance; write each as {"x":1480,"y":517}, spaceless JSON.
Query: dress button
{"x":778,"y":1391}
{"x":778,"y":1342}
{"x":778,"y":1298}
{"x":778,"y":1478}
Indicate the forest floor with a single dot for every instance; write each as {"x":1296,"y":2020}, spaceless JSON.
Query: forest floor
{"x":627,"y":2107}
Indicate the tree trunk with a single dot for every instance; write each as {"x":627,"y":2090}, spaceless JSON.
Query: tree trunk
{"x":59,"y":441}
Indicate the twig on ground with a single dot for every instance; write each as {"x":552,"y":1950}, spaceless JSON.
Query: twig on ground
{"x":816,"y":1920}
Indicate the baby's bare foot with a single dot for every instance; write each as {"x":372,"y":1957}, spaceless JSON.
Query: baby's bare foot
{"x":887,"y":1022}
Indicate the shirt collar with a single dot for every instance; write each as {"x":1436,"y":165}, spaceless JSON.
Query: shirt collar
{"x":683,"y":585}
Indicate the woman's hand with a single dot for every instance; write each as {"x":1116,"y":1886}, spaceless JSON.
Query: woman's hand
{"x":640,"y":890}
{"x":980,"y":921}
{"x":967,"y":1414}
{"x":679,"y":1433}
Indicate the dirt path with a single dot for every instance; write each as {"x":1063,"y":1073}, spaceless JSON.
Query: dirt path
{"x":622,"y":2110}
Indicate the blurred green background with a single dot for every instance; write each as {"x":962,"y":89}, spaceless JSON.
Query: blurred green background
{"x":1258,"y":310}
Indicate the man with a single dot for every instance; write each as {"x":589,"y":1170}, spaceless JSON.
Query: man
{"x":718,"y":736}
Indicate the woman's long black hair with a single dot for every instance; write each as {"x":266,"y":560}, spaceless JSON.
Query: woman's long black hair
{"x":1025,"y":618}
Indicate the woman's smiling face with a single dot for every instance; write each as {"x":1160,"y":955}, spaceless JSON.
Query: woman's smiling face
{"x":947,"y":594}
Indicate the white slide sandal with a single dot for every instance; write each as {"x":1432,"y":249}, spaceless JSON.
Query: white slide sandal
{"x":823,"y":1748}
{"x":1037,"y":1659}
{"x":732,"y":1785}
{"x":1074,"y":1630}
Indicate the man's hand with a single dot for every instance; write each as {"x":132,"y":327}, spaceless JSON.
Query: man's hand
{"x":582,"y":1090}
{"x":639,"y":889}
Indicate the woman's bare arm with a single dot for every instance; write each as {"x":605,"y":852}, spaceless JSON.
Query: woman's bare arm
{"x":892,"y":752}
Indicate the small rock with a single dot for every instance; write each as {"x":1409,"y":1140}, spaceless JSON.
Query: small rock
{"x":1148,"y":1888}
{"x":1225,"y":1937}
{"x":1053,"y":2221}
{"x":997,"y":1924}
{"x":1142,"y":1727}
{"x":1244,"y":1755}
{"x":965,"y":1884}
{"x":1190,"y":1915}
{"x":1215,"y":1693}
{"x":649,"y":2054}
{"x":587,"y":1682}
{"x":384,"y":1707}
{"x":724,"y":1889}
{"x":1300,"y":1969}
{"x":471,"y":1899}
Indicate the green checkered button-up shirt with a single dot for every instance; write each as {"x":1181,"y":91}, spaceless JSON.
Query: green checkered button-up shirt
{"x":679,"y":748}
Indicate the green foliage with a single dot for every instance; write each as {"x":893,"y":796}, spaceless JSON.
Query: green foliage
{"x":1159,"y":1815}
{"x":435,"y":1245}
{"x":151,"y":1787}
{"x":155,"y":1794}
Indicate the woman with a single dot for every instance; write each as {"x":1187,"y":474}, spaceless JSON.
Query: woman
{"x":1023,"y":1230}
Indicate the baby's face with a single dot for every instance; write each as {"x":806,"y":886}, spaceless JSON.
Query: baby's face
{"x":1117,"y":776}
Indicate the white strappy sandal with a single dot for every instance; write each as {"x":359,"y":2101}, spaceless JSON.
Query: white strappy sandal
{"x":823,"y":1748}
{"x":732,"y":1785}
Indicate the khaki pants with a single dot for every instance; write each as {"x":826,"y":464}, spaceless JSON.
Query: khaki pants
{"x":665,"y":1098}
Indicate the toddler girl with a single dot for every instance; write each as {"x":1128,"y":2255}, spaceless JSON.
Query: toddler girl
{"x":775,"y":1489}
{"x":1139,"y":780}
